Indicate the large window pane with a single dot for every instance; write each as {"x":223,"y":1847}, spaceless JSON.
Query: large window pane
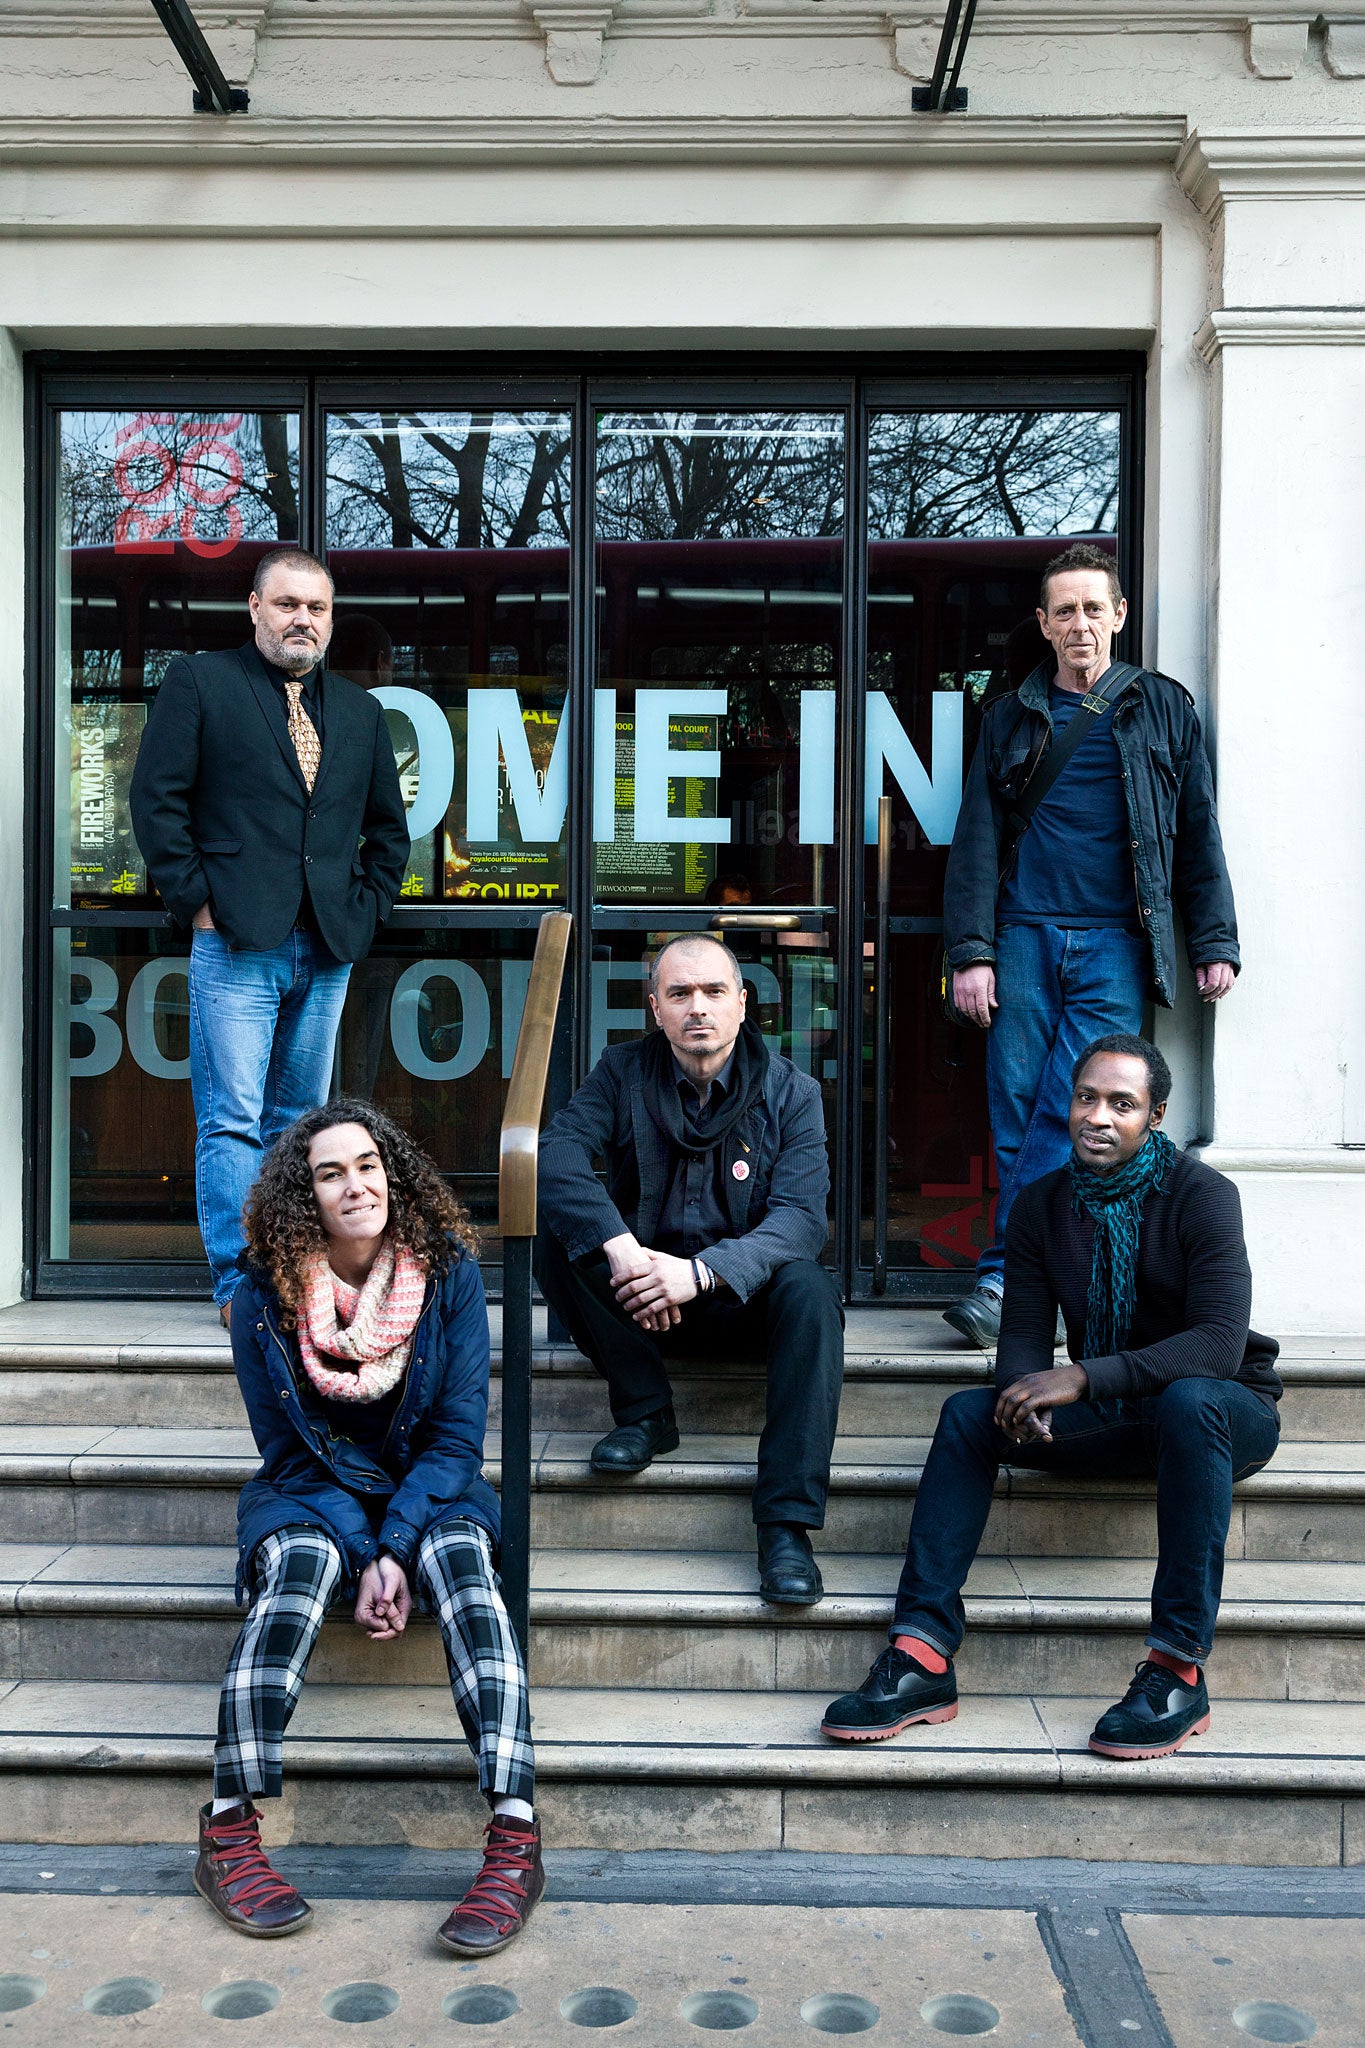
{"x":719,"y":606}
{"x":964,"y":509}
{"x":162,"y":519}
{"x":447,"y":534}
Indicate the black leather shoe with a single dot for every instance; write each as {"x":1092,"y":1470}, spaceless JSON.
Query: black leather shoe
{"x":1156,"y":1715}
{"x":896,"y":1692}
{"x":788,"y":1575}
{"x":636,"y":1444}
{"x":976,"y":1317}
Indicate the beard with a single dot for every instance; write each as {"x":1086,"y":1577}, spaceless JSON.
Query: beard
{"x":295,"y":655}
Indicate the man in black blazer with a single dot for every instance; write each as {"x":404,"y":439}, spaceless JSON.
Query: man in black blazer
{"x":266,"y":805}
{"x":705,"y":1241}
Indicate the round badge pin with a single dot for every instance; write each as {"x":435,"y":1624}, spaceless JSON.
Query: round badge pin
{"x":740,"y":1169}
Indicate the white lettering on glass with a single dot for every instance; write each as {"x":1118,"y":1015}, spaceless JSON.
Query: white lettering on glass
{"x":92,"y":1010}
{"x":934,"y":796}
{"x":435,"y":756}
{"x":815,"y":816}
{"x":655,"y":763}
{"x":140,"y":1017}
{"x":495,"y":721}
{"x":411,"y":1004}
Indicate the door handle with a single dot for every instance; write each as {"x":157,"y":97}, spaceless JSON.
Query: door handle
{"x":756,"y":921}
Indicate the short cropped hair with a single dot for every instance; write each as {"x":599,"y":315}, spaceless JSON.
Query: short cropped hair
{"x":693,"y":939}
{"x":1130,"y":1047}
{"x":1082,"y":554}
{"x":287,"y":558}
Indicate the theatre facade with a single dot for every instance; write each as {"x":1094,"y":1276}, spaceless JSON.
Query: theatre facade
{"x":685,"y":420}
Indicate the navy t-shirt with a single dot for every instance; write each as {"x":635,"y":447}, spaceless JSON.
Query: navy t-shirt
{"x":1075,"y":862}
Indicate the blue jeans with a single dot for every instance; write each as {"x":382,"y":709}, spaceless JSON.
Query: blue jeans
{"x":1057,"y":989}
{"x":263,"y":1030}
{"x":1198,"y":1436}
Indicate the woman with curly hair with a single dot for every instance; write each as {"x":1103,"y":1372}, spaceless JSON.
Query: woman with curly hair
{"x":360,"y":1338}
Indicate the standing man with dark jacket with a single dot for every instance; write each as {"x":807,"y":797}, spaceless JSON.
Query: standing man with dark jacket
{"x":267,"y":808}
{"x":704,"y":1241}
{"x":1058,"y":908}
{"x":1141,"y":1248}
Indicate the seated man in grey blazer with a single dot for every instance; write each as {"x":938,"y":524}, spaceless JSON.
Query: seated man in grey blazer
{"x":704,"y":1241}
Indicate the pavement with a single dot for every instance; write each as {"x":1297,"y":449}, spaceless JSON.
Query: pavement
{"x":102,"y":1946}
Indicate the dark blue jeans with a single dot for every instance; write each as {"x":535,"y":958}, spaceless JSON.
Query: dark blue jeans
{"x":1057,"y":989}
{"x":1197,"y":1436}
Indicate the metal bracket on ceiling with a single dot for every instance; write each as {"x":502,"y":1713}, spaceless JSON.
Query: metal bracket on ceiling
{"x":943,"y":94}
{"x":212,"y":93}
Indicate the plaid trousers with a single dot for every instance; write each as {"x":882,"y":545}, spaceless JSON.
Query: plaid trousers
{"x":297,"y":1573}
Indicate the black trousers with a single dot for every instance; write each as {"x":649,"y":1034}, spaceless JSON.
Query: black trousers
{"x":795,"y":1324}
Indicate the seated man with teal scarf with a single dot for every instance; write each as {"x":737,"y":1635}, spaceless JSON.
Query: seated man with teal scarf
{"x":1141,"y":1248}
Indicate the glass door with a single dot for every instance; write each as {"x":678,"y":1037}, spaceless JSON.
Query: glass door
{"x":965,"y":505}
{"x":719,"y":690}
{"x":448,"y":529}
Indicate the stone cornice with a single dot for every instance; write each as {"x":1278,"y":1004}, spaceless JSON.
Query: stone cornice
{"x":389,"y":20}
{"x":1280,"y":327}
{"x":1272,"y":163}
{"x":1324,"y":1159}
{"x":89,"y":140}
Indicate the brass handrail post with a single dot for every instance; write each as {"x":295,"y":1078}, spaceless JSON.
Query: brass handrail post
{"x":518,"y":1158}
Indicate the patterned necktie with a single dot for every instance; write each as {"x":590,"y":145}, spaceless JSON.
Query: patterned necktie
{"x":303,"y":733}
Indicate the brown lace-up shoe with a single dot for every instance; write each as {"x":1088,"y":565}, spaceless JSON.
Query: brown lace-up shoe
{"x":234,"y":1874}
{"x":498,"y":1903}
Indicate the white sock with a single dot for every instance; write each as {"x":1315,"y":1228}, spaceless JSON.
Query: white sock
{"x":222,"y":1805}
{"x":514,"y":1809}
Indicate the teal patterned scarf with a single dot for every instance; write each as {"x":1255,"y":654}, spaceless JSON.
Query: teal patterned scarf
{"x":1115,"y":1202}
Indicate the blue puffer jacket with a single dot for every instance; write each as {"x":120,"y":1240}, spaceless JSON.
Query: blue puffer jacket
{"x":312,"y":1478}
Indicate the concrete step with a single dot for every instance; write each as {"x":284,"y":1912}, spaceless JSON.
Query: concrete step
{"x":94,"y":1485}
{"x":169,"y":1365}
{"x":1272,"y":1782}
{"x":668,"y":1620}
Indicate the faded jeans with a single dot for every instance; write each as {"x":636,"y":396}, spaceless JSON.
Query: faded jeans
{"x":263,"y":1030}
{"x":1058,"y":988}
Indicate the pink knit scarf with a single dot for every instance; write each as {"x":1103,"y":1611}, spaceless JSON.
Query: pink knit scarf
{"x":369,"y":1328}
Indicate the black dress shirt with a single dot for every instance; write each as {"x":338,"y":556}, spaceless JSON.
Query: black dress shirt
{"x":694,"y":1212}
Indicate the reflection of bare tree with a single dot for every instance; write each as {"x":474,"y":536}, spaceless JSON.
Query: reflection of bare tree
{"x":158,"y":462}
{"x":991,"y":474}
{"x":448,"y":480}
{"x":707,"y":476}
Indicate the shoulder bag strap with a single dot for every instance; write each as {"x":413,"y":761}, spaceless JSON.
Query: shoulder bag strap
{"x":1049,"y":768}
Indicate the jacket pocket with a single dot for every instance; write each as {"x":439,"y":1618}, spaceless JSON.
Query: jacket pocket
{"x":1165,"y":790}
{"x":220,"y":846}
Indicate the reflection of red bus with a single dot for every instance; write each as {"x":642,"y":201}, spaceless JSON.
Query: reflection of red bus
{"x":970,"y":601}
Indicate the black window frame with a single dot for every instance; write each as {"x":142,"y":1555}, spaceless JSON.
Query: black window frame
{"x":586,"y":384}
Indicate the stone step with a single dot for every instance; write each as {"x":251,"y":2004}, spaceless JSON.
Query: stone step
{"x":898,"y":1397}
{"x":1272,"y":1782}
{"x":668,"y":1620}
{"x":168,"y":1365}
{"x":93,"y":1485}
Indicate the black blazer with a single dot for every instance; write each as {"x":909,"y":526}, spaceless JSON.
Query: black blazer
{"x":222,"y":815}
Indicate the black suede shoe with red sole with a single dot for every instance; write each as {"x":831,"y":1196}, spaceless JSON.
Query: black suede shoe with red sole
{"x":896,"y":1693}
{"x":1158,"y":1713}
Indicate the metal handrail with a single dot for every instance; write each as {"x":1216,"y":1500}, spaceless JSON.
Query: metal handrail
{"x":881,"y":1047}
{"x":518,"y":1161}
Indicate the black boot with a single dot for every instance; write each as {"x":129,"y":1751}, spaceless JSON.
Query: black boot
{"x":234,"y":1874}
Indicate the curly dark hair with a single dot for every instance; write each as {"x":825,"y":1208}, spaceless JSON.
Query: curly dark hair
{"x":284,"y":1229}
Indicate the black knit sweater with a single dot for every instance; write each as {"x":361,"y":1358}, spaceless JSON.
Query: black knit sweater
{"x":1193,"y":1289}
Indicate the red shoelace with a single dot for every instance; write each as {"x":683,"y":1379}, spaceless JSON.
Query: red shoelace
{"x":499,"y":1891}
{"x":248,"y":1880}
